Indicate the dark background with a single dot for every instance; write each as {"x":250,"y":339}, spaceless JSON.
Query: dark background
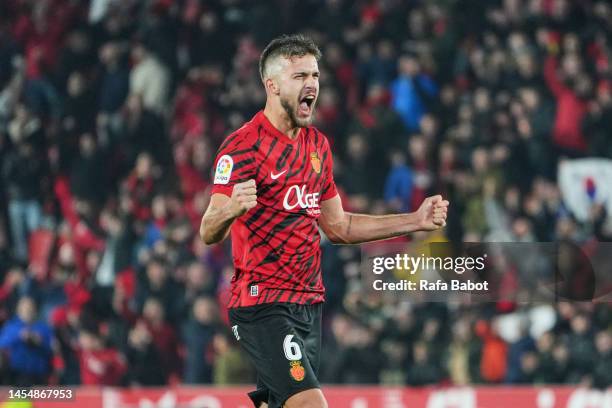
{"x":110,"y":115}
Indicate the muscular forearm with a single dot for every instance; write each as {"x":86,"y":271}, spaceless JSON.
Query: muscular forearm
{"x":223,"y":210}
{"x":359,"y":228}
{"x":346,"y":228}
{"x":216,"y":224}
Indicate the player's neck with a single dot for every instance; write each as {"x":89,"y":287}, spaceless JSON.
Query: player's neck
{"x":279,"y":119}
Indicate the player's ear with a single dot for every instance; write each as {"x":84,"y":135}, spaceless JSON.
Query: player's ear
{"x":272,"y":86}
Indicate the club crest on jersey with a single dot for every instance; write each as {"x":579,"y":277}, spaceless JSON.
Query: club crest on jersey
{"x":297,"y":370}
{"x":316,"y":162}
{"x":224,"y":169}
{"x":254,"y":290}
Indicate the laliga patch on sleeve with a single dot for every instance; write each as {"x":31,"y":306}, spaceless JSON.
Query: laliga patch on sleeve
{"x":224,"y":169}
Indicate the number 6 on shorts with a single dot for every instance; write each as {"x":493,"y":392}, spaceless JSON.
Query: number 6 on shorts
{"x":291,"y":349}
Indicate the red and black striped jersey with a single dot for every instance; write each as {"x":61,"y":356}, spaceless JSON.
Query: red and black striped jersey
{"x":275,"y":245}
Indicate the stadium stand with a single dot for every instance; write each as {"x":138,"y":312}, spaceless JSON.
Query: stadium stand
{"x":111,"y":112}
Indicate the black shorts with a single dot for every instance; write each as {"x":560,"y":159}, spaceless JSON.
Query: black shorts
{"x":283,"y":341}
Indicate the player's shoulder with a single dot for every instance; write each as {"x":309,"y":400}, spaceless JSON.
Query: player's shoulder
{"x":248,"y":130}
{"x":246,"y":134}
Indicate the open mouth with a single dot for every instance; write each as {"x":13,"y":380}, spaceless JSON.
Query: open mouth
{"x":306,"y":104}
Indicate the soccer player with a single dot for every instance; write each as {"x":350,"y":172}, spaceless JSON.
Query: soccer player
{"x":273,"y":189}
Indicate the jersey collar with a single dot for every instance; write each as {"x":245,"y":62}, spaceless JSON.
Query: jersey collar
{"x":261,"y":119}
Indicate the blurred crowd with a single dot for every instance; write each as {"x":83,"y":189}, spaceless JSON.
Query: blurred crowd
{"x":110,"y":115}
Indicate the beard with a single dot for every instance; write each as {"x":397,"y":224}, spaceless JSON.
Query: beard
{"x":292,"y":114}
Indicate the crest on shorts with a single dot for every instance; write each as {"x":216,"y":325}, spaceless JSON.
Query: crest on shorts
{"x":297,"y":370}
{"x":316,"y":162}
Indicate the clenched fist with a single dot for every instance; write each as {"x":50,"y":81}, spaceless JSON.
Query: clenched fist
{"x":244,"y":197}
{"x":432,"y":213}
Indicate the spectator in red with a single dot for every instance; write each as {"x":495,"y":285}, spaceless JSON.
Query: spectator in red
{"x":494,"y":349}
{"x":188,"y":105}
{"x":192,"y":180}
{"x":164,"y":337}
{"x":66,"y":361}
{"x":140,"y":185}
{"x":100,"y":365}
{"x":64,"y":289}
{"x":570,"y":87}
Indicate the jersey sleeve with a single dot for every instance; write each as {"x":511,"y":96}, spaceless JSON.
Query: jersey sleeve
{"x":235,"y":163}
{"x":329,"y":186}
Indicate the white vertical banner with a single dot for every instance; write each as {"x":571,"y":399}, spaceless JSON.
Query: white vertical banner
{"x":584,"y":182}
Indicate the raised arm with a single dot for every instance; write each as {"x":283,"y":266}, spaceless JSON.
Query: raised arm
{"x":347,"y":228}
{"x":555,"y":85}
{"x":223,"y":210}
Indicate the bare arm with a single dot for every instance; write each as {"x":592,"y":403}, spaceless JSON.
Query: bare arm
{"x":223,"y":210}
{"x":346,"y":228}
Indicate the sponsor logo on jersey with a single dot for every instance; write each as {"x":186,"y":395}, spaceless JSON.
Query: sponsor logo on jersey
{"x":224,"y":169}
{"x":316,"y":162}
{"x":296,"y":197}
{"x":297,"y":370}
